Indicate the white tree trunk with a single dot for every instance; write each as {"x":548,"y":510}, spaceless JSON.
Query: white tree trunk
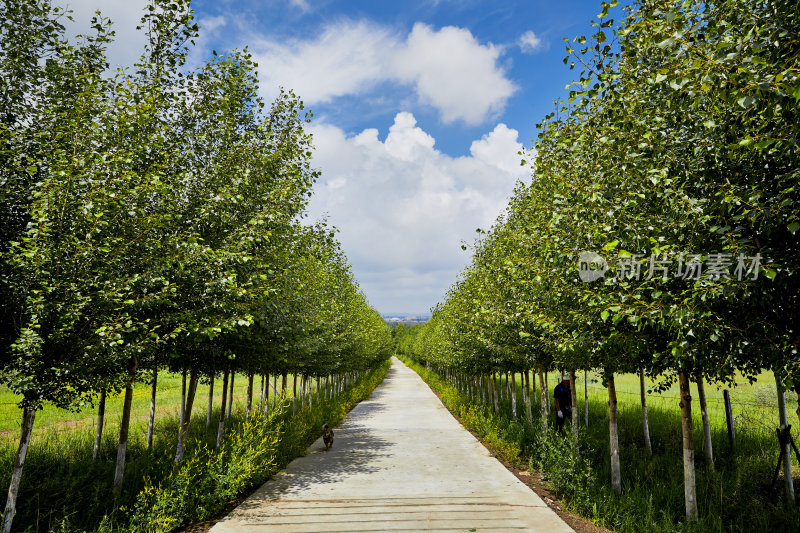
{"x":645,"y":419}
{"x":689,"y":485}
{"x":613,"y":434}
{"x":514,"y":394}
{"x":28,"y":416}
{"x":122,"y":448}
{"x":528,"y":409}
{"x":573,"y":392}
{"x":230,"y":396}
{"x":543,"y":400}
{"x":221,"y":427}
{"x":186,"y":415}
{"x":249,"y":404}
{"x":151,"y":421}
{"x":101,"y":415}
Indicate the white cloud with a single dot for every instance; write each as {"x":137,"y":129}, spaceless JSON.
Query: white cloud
{"x":454,"y":73}
{"x":448,"y":69}
{"x":345,"y":58}
{"x":301,"y":5}
{"x":404,"y":208}
{"x":529,"y":43}
{"x":128,"y":41}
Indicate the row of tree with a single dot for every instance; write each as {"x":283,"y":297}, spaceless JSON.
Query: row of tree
{"x":658,"y":234}
{"x":150,"y":218}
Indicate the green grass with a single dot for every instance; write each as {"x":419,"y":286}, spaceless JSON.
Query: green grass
{"x":51,"y":418}
{"x":737,"y":496}
{"x":64,"y":490}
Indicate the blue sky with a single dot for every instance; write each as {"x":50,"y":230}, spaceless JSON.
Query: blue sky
{"x":421,"y":108}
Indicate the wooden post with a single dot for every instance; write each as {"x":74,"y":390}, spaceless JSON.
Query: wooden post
{"x":701,"y":395}
{"x":689,"y":485}
{"x":729,"y":418}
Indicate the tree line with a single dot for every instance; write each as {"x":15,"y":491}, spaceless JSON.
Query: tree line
{"x":659,"y":232}
{"x":151,"y":219}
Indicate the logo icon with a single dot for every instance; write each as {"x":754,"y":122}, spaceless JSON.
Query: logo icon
{"x":591,"y":266}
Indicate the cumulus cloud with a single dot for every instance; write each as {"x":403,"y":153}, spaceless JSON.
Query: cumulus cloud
{"x":530,"y":43}
{"x":447,"y":69}
{"x":403,"y":207}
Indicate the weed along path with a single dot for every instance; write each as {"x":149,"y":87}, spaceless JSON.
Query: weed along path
{"x":400,"y":462}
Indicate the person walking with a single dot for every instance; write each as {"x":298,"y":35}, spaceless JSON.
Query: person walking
{"x":563,"y":399}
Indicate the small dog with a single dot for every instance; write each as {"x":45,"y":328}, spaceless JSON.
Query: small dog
{"x":327,"y":437}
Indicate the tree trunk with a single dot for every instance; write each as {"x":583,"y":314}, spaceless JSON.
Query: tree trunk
{"x":494,"y":394}
{"x":573,"y":391}
{"x":230,"y":395}
{"x":294,"y":393}
{"x":284,"y":384}
{"x":101,"y":415}
{"x":210,"y":401}
{"x":645,"y":419}
{"x":701,"y":395}
{"x":528,"y":409}
{"x":274,"y":390}
{"x":221,"y":427}
{"x":249,"y":397}
{"x":186,"y":416}
{"x":28,"y":416}
{"x":787,"y":447}
{"x":261,"y":396}
{"x":586,"y":397}
{"x":265,"y":393}
{"x":514,"y":394}
{"x":151,"y":422}
{"x":547,"y":391}
{"x":689,"y":487}
{"x":613,"y":435}
{"x":543,"y":400}
{"x":123,"y":432}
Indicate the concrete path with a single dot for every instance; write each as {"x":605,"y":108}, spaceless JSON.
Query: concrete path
{"x":400,"y":462}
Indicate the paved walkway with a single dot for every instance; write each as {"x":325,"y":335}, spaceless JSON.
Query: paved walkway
{"x":400,"y":462}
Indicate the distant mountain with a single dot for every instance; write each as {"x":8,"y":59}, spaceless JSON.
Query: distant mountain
{"x":407,"y":315}
{"x":406,"y":318}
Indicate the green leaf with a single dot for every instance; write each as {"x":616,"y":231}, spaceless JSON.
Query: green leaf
{"x":793,"y":227}
{"x":610,"y":246}
{"x":770,"y":273}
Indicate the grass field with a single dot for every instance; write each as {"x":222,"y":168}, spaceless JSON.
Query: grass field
{"x":52,"y":419}
{"x":753,"y":405}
